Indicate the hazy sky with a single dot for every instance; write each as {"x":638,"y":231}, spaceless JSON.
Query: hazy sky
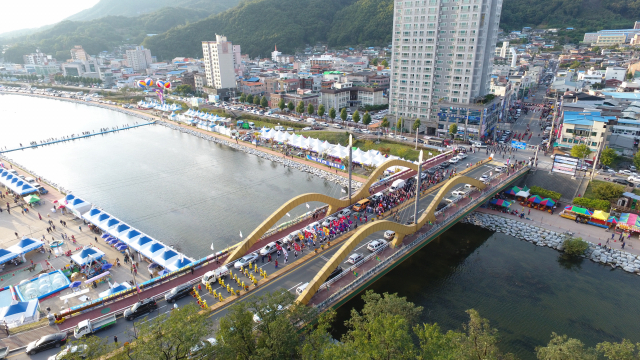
{"x":35,"y":13}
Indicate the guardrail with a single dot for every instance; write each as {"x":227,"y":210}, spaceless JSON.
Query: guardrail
{"x":353,"y":267}
{"x":402,"y":251}
{"x":401,"y":173}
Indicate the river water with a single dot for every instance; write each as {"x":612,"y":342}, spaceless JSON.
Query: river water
{"x":189,"y":192}
{"x":526,"y":291}
{"x":178,"y":188}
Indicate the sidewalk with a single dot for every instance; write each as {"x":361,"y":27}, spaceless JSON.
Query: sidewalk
{"x":15,"y":342}
{"x":587,"y":232}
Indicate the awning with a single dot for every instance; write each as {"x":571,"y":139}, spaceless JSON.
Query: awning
{"x":179,"y":263}
{"x":6,"y":255}
{"x":600,"y":215}
{"x":166,"y":257}
{"x":87,"y":255}
{"x":25,"y":245}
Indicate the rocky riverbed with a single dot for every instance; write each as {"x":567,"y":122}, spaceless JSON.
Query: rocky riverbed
{"x":542,"y":237}
{"x":257,"y":152}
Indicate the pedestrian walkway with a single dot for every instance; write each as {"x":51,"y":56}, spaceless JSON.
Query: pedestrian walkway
{"x":73,"y":138}
{"x":22,"y":339}
{"x":593,"y":234}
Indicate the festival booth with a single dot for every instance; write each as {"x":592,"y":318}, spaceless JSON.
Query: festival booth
{"x":500,"y":203}
{"x":629,"y":222}
{"x":16,"y":184}
{"x":6,"y":255}
{"x":513,"y":191}
{"x":25,"y":245}
{"x":599,"y":218}
{"x":166,"y":257}
{"x":152,"y":250}
{"x":576,"y":213}
{"x":116,"y":288}
{"x":77,"y":206}
{"x":20,"y":313}
{"x":523,"y":193}
{"x":179,"y":263}
{"x":87,"y":255}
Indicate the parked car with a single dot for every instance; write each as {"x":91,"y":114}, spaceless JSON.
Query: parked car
{"x":622,"y":182}
{"x":140,"y":308}
{"x":46,"y":342}
{"x":354,"y":258}
{"x":247,"y":259}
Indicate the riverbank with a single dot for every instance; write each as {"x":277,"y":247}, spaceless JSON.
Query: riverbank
{"x":541,"y":236}
{"x":298,"y":164}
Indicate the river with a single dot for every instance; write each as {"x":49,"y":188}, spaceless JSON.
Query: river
{"x":178,"y":188}
{"x":526,"y":291}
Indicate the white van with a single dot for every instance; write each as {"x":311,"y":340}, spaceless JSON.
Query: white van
{"x":377,"y":196}
{"x":478,"y":144}
{"x":311,"y":120}
{"x":212,"y":276}
{"x":301,"y":288}
{"x":398,"y":184}
{"x":252,"y":125}
{"x":376,"y":245}
{"x":281,"y":128}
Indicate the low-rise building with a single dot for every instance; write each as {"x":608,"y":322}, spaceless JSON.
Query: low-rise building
{"x":306,"y":97}
{"x":587,"y":128}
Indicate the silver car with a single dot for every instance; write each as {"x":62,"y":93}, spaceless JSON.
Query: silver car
{"x":247,"y":259}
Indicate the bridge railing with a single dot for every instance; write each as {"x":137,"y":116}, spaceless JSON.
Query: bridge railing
{"x":486,"y":193}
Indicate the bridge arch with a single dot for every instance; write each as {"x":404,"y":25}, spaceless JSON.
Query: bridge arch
{"x":333,"y":203}
{"x":370,"y":228}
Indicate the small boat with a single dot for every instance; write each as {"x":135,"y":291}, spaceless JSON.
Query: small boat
{"x":56,"y":243}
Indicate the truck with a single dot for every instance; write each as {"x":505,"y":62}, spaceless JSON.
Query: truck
{"x":212,"y":276}
{"x":91,"y":326}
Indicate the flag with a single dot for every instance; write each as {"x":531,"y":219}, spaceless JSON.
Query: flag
{"x":355,"y":273}
{"x":344,"y":191}
{"x":241,"y":233}
{"x":138,"y":287}
{"x":212,"y":246}
{"x":289,"y":215}
{"x":307,"y":205}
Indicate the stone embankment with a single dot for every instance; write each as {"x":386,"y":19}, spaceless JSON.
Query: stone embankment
{"x":286,"y":162}
{"x":543,"y":237}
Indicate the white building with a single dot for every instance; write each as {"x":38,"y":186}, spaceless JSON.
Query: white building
{"x":221,"y":58}
{"x":37,"y":58}
{"x":78,"y":54}
{"x":139,"y":58}
{"x":614,"y":72}
{"x":591,"y":76}
{"x":442,"y":51}
{"x":275,"y":54}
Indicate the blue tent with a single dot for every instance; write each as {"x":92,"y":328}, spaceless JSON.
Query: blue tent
{"x":167,"y":257}
{"x":180,"y":263}
{"x":141,"y":242}
{"x":113,"y":290}
{"x":26,"y":245}
{"x":87,"y":255}
{"x":6,"y":255}
{"x":19,"y":313}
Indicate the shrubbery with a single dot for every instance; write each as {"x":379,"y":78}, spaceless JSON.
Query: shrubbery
{"x":575,"y":246}
{"x":603,"y":205}
{"x":544,"y":193}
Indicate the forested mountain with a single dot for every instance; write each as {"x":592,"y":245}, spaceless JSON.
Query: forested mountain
{"x":101,"y":34}
{"x":258,"y":25}
{"x":134,"y":8}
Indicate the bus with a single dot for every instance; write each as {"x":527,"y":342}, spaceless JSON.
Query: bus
{"x":434,"y":141}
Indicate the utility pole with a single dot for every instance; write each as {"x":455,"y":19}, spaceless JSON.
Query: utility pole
{"x":350,"y":161}
{"x":415,"y":212}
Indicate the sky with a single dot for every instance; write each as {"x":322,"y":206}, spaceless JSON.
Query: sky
{"x":35,"y":13}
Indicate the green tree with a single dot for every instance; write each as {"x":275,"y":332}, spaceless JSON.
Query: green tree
{"x":256,"y":99}
{"x":310,"y":109}
{"x":343,"y":114}
{"x":636,"y":160}
{"x":356,"y":117}
{"x":264,"y":102}
{"x":95,"y":347}
{"x":608,"y":191}
{"x":321,"y":110}
{"x":374,"y":62}
{"x":416,"y":125}
{"x":170,"y":336}
{"x":384,"y":63}
{"x":561,"y":347}
{"x":332,"y":114}
{"x":624,"y":350}
{"x":385,"y":123}
{"x":453,"y":130}
{"x":366,"y":119}
{"x":399,"y":124}
{"x":574,"y":65}
{"x":575,"y":246}
{"x":281,"y":104}
{"x":300,"y":107}
{"x":580,"y":151}
{"x":596,"y":49}
{"x":290,"y":106}
{"x":243,"y":97}
{"x":250,"y":99}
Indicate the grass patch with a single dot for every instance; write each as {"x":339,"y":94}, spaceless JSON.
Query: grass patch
{"x":588,"y":193}
{"x":271,"y":123}
{"x":34,"y":325}
{"x":394,"y":148}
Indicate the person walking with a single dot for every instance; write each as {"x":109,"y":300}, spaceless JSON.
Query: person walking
{"x":115,"y":339}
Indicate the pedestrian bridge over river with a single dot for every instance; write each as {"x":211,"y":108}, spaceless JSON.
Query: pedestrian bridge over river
{"x":315,"y":268}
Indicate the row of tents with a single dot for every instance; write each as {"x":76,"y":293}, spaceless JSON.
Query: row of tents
{"x":137,"y":240}
{"x":370,"y":157}
{"x":14,"y":183}
{"x":22,"y":247}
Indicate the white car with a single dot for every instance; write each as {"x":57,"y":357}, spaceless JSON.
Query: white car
{"x":461,"y":156}
{"x":454,"y":160}
{"x":247,"y":259}
{"x":307,"y":129}
{"x":344,"y":212}
{"x":354,"y":258}
{"x":500,"y":169}
{"x":484,"y":177}
{"x":627,"y":173}
{"x":329,"y":220}
{"x":68,"y":350}
{"x":376,"y":245}
{"x":457,"y":192}
{"x":389,"y":234}
{"x":256,"y":318}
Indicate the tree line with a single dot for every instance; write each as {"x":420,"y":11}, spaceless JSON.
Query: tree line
{"x":31,"y":77}
{"x":274,"y":326}
{"x":77,"y":79}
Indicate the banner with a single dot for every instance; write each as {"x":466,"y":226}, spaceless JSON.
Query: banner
{"x":518,"y":144}
{"x":326,"y":162}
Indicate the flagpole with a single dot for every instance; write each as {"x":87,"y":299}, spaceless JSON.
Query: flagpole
{"x":415,"y":212}
{"x":350,"y":161}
